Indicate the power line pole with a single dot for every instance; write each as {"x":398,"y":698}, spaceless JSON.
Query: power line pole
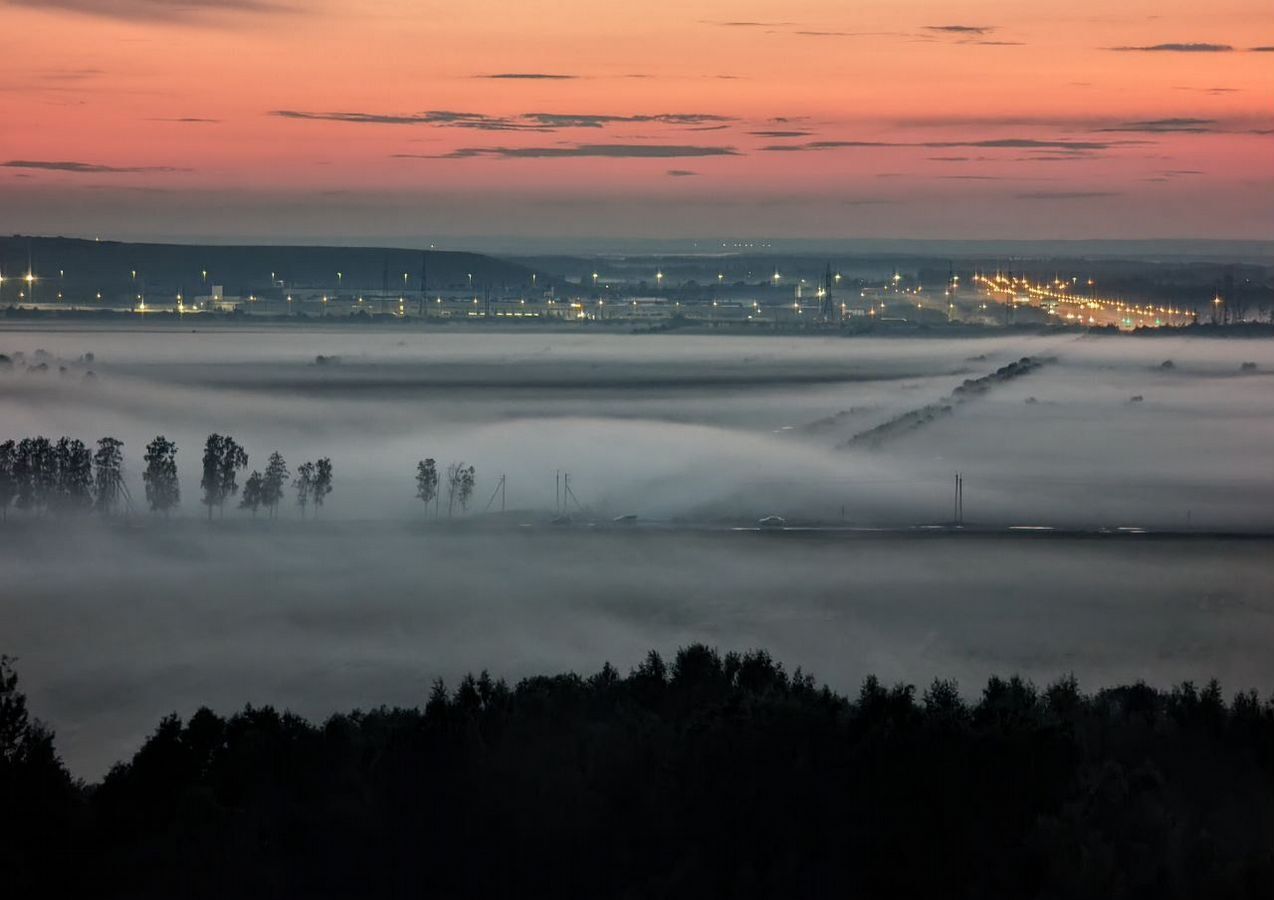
{"x":567,"y":493}
{"x":499,"y":489}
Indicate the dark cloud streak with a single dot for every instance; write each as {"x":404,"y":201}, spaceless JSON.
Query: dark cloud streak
{"x":1065,"y":195}
{"x":83,"y":167}
{"x":157,"y":10}
{"x":534,"y":121}
{"x":611,"y":151}
{"x":1176,"y":48}
{"x":1180,"y":125}
{"x":528,"y":76}
{"x":961,"y":29}
{"x":990,"y":144}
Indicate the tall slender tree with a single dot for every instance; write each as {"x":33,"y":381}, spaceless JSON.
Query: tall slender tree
{"x":252,"y":493}
{"x":24,"y":475}
{"x":163,"y":490}
{"x":34,"y":469}
{"x":304,"y":485}
{"x":273,"y":482}
{"x":44,"y":471}
{"x":72,"y":489}
{"x":210,"y":481}
{"x":460,"y":483}
{"x":108,"y":475}
{"x":8,"y":479}
{"x":427,"y":482}
{"x":322,"y":482}
{"x":223,"y":457}
{"x":468,"y":481}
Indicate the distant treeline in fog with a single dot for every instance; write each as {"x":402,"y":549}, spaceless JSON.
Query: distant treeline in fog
{"x":707,"y":776}
{"x":65,"y":477}
{"x":81,"y":269}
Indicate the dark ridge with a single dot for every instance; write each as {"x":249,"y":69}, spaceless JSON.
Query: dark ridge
{"x":708,"y":776}
{"x":164,"y":269}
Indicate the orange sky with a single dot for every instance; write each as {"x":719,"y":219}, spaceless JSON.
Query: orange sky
{"x":379,"y":119}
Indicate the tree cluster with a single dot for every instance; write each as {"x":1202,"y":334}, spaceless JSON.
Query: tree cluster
{"x":222,"y":460}
{"x":460,"y":481}
{"x":313,"y":484}
{"x":705,"y":776}
{"x":38,"y":475}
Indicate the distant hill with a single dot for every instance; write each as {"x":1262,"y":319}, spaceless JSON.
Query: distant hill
{"x":107,"y":266}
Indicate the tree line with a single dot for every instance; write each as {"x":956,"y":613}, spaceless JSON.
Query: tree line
{"x":460,"y":480}
{"x":707,"y":775}
{"x":38,"y":475}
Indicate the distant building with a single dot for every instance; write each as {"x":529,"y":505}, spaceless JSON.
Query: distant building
{"x":217,"y":301}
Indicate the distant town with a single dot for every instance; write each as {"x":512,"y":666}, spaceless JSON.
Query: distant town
{"x":743,"y":290}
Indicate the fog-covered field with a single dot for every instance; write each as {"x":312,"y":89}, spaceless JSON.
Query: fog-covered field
{"x":700,"y":427}
{"x":116,"y":623}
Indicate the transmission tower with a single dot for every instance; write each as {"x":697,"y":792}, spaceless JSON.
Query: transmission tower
{"x":827,"y":309}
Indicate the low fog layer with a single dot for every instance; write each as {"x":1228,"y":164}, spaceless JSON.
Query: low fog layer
{"x":666,"y":426}
{"x":118,"y":627}
{"x":118,"y":622}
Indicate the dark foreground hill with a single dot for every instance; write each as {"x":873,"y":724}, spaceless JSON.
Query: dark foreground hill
{"x":82,"y":268}
{"x":710,"y":777}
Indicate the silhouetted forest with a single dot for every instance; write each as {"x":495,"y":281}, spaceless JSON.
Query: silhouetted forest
{"x":710,"y":776}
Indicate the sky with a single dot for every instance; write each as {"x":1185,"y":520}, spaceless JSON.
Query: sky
{"x":408,"y":121}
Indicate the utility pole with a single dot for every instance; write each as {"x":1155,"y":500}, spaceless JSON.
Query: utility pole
{"x":499,"y":489}
{"x":568,"y":494}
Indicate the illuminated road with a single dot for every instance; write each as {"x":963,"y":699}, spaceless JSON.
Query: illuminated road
{"x":1065,"y":301}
